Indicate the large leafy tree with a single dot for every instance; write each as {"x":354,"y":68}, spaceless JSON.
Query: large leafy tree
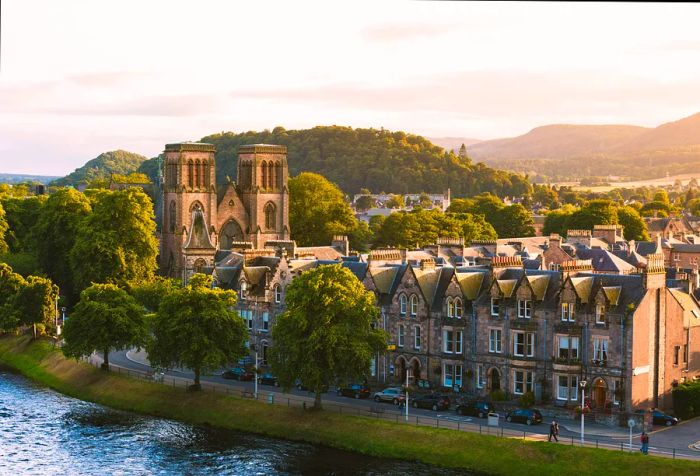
{"x":594,"y":212}
{"x":3,"y":231}
{"x":116,"y":243}
{"x":318,"y":210}
{"x":150,"y":294}
{"x":513,"y":221}
{"x":107,"y":318}
{"x":326,"y":333}
{"x":22,"y":214}
{"x":55,"y":232}
{"x":36,"y":302}
{"x":11,"y":284}
{"x":196,"y":327}
{"x":635,"y":226}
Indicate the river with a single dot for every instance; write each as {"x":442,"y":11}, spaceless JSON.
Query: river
{"x":46,"y":433}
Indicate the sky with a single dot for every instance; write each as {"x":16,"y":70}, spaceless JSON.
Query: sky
{"x":78,"y":78}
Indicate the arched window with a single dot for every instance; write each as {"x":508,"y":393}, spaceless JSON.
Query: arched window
{"x":270,"y":175}
{"x":243,"y":290}
{"x":190,"y":174}
{"x":278,"y":175}
{"x":270,"y":216}
{"x":402,"y":304}
{"x":457,"y":303}
{"x":172,"y":217}
{"x":263,"y":169}
{"x":414,"y":305}
{"x":450,"y":312}
{"x":199,"y":265}
{"x":197,"y":173}
{"x":205,"y":166}
{"x":263,"y":359}
{"x":278,"y":294}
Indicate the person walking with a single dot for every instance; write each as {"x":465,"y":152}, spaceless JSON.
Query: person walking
{"x":554,"y":431}
{"x":645,"y":443}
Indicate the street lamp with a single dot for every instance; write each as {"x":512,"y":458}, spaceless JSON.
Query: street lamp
{"x":408,"y":372}
{"x":255,"y":370}
{"x":582,"y":384}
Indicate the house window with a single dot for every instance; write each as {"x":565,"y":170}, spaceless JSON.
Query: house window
{"x":480,"y":376}
{"x":278,"y":294}
{"x":554,"y":266}
{"x":567,"y":311}
{"x":401,"y":335}
{"x":452,"y":342}
{"x":524,"y":308}
{"x":495,"y":341}
{"x":524,"y":344}
{"x":416,"y":338}
{"x":568,"y":347}
{"x":450,"y":312}
{"x":248,"y":318}
{"x":522,"y":382}
{"x":600,"y":314}
{"x":263,"y":359}
{"x":414,"y":305}
{"x":600,"y":349}
{"x":676,"y":354}
{"x":265,"y":321}
{"x":495,"y":306}
{"x":402,"y":304}
{"x":617,"y":385}
{"x":567,"y":387}
{"x":452,"y":375}
{"x":458,"y":342}
{"x":243,"y":290}
{"x":685,"y":353}
{"x":457,"y":303}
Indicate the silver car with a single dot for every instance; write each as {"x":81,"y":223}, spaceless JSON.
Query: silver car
{"x":392,"y":394}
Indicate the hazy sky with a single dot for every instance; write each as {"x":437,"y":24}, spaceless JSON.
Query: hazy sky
{"x":81,"y":77}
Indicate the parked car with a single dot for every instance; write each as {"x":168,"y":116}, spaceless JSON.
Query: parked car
{"x":474,"y":408}
{"x":661,"y":418}
{"x":268,"y":379}
{"x":524,"y":415}
{"x":304,"y":388}
{"x":354,"y":390}
{"x":392,"y":394}
{"x":238,"y":373}
{"x":433,"y":401}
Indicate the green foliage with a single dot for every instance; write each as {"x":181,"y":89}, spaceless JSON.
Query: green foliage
{"x":196,"y":327}
{"x":55,"y":231}
{"x":527,"y":400}
{"x":374,"y":159}
{"x":100,"y":168}
{"x":661,"y":195}
{"x":513,"y":221}
{"x":21,"y":215}
{"x":24,"y":263}
{"x":557,"y":221}
{"x":116,"y":242}
{"x":693,"y":206}
{"x":686,"y":400}
{"x":656,"y":208}
{"x":11,"y":284}
{"x":326,"y":332}
{"x":635,"y":227}
{"x":395,"y":201}
{"x":594,"y":212}
{"x":318,"y":210}
{"x":365,"y":202}
{"x":36,"y":301}
{"x":497,"y":396}
{"x":150,"y":294}
{"x":106,"y":318}
{"x":3,"y":230}
{"x":133,"y":177}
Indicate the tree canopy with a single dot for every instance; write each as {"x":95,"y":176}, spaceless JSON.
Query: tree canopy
{"x":196,"y":327}
{"x":326,"y":333}
{"x":3,"y":231}
{"x":102,"y":166}
{"x":36,"y":302}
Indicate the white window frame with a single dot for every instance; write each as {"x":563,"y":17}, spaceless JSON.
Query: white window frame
{"x":528,"y":344}
{"x":401,"y":333}
{"x":526,"y":382}
{"x":450,"y":312}
{"x":495,"y":340}
{"x":600,"y":348}
{"x":278,"y":294}
{"x":416,"y":337}
{"x":573,"y":343}
{"x":600,"y":314}
{"x":516,"y":335}
{"x":525,"y":308}
{"x":458,"y":309}
{"x":243,"y":290}
{"x":458,"y":375}
{"x":480,"y":381}
{"x":265,"y":321}
{"x":571,"y":392}
{"x":447,"y":373}
{"x":495,"y":306}
{"x":568,"y":312}
{"x":403,"y":301}
{"x":448,"y":343}
{"x":458,"y":339}
{"x":413,"y":301}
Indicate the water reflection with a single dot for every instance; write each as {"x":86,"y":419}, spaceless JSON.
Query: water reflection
{"x":43,"y":432}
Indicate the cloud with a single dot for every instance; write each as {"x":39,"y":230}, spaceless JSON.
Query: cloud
{"x":394,"y":32}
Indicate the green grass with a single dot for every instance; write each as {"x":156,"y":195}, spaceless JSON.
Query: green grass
{"x":442,"y":447}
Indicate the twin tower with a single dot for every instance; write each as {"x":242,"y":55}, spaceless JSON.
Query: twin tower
{"x":200,"y":219}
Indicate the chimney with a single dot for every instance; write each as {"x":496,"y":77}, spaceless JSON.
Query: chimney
{"x":426,"y":264}
{"x":499,"y":263}
{"x":341,"y":244}
{"x":655,"y":273}
{"x":555,"y":240}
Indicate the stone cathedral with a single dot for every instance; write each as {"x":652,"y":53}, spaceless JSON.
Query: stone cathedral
{"x":200,"y":219}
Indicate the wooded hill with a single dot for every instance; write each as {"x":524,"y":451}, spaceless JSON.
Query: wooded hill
{"x":576,"y":151}
{"x":102,"y":166}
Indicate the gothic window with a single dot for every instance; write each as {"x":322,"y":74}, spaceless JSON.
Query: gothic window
{"x":190,"y":174}
{"x":199,"y":264}
{"x":205,"y":166}
{"x":172,"y":217}
{"x":271,"y":175}
{"x":270,"y":218}
{"x":196,"y":173}
{"x":229,"y":233}
{"x":278,"y":175}
{"x":263,"y":168}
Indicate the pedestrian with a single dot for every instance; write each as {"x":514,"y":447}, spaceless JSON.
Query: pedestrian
{"x":554,"y":430}
{"x":645,"y":443}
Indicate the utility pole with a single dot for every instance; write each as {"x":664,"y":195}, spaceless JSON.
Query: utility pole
{"x":583,"y":415}
{"x":406,"y":401}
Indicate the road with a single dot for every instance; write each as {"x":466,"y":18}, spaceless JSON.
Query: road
{"x":663,"y":440}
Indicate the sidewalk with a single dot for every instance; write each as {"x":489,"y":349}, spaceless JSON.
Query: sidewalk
{"x":591,"y":429}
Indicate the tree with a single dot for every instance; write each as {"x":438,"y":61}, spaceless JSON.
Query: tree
{"x":693,"y":206}
{"x":661,"y":196}
{"x":55,"y":233}
{"x":513,"y":221}
{"x":557,"y":221}
{"x":3,"y":231}
{"x":462,"y":205}
{"x":36,"y":302}
{"x":107,"y":318}
{"x":635,"y":226}
{"x":395,"y":201}
{"x":593,"y":212}
{"x":116,"y":243}
{"x":462,"y":152}
{"x":317,"y":210}
{"x":11,"y":284}
{"x":21,"y":215}
{"x":365,"y":202}
{"x":326,"y":333}
{"x":196,"y":327}
{"x":150,"y":294}
{"x":424,"y":200}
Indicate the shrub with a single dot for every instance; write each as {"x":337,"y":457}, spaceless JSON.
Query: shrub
{"x":498,"y":396}
{"x":527,"y":400}
{"x":686,"y":400}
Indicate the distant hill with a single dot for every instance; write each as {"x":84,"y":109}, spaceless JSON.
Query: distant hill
{"x":577,"y":151}
{"x":102,"y":166}
{"x":453,"y":143}
{"x":19,"y":178}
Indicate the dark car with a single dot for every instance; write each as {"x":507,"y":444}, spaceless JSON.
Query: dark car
{"x":661,"y":418}
{"x":433,"y":401}
{"x":479,"y":409}
{"x":268,"y":379}
{"x":238,"y":373}
{"x":354,"y":390}
{"x":524,"y":415}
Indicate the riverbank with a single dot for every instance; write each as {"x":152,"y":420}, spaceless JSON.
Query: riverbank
{"x":447,"y":448}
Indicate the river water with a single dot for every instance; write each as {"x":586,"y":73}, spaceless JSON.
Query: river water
{"x":45,"y":433}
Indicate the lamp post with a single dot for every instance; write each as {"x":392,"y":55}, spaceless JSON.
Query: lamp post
{"x":582,"y":384}
{"x":408,"y":371}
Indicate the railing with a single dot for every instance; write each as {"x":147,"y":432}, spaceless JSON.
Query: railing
{"x":392,"y":413}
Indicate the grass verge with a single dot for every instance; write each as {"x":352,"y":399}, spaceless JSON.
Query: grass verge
{"x":447,"y":448}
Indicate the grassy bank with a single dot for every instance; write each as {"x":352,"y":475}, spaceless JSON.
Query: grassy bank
{"x":449,"y":448}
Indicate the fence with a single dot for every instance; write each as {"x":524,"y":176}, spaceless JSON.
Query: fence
{"x":391,"y":413}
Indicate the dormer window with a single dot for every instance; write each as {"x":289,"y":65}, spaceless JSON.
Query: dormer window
{"x":524,"y":308}
{"x":402,"y":304}
{"x":600,"y":314}
{"x":495,"y":306}
{"x":567,"y":312}
{"x":243,"y":290}
{"x":450,"y":310}
{"x":278,"y":294}
{"x":414,"y":305}
{"x":457,"y":304}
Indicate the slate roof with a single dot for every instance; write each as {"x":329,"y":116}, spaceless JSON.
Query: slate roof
{"x":583,"y":286}
{"x":646,"y":248}
{"x":539,"y":284}
{"x":604,"y":261}
{"x":470,"y":283}
{"x":631,"y":286}
{"x":685,"y":248}
{"x":357,"y":268}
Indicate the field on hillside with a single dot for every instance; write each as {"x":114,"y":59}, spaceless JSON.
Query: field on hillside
{"x":657,"y":182}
